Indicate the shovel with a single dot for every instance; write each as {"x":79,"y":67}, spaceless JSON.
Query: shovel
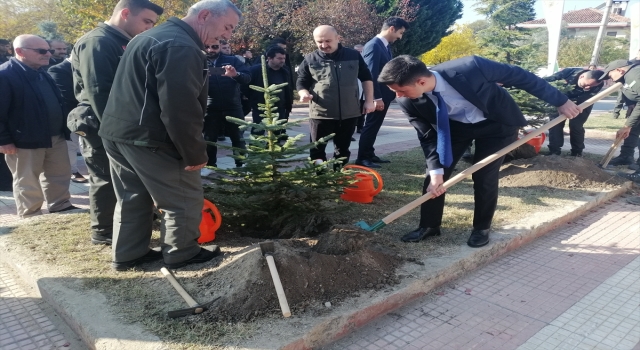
{"x":267,"y":249}
{"x":612,"y":150}
{"x":481,"y":164}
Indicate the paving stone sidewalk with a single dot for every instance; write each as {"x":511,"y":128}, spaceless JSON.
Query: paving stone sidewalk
{"x":578,"y":287}
{"x":24,"y":325}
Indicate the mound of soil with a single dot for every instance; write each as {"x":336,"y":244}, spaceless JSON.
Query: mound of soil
{"x":341,"y":263}
{"x":557,"y":172}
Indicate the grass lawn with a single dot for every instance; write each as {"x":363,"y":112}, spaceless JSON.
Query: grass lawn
{"x":604,"y":122}
{"x":144,"y":296}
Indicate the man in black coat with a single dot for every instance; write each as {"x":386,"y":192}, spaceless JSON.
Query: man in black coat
{"x":32,"y":130}
{"x":464,"y":96}
{"x":277,"y":73}
{"x":226,"y":74}
{"x":377,"y":52}
{"x":584,"y":84}
{"x":62,"y":74}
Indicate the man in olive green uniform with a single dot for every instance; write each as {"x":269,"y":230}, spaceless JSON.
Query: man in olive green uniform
{"x":95,"y":59}
{"x":152,"y":131}
{"x":628,"y":73}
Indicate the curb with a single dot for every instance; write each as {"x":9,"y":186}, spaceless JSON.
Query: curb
{"x":81,"y":310}
{"x":335,"y":327}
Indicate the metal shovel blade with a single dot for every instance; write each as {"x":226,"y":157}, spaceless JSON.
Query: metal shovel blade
{"x":192,"y":310}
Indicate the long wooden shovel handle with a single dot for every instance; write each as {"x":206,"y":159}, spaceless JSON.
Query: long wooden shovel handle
{"x":284,"y":306}
{"x":183,"y":293}
{"x":612,"y":150}
{"x":479,"y":165}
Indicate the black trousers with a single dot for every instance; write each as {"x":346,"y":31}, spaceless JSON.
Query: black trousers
{"x":489,"y":137}
{"x":576,"y":132}
{"x":6,"y":179}
{"x":215,"y":123}
{"x":343,"y":129}
{"x":372,"y":124}
{"x":630,"y":143}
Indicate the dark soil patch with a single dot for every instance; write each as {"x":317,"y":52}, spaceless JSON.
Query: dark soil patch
{"x":342,"y":262}
{"x":557,"y":172}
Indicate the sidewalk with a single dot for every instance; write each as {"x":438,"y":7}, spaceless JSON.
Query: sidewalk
{"x":27,"y":324}
{"x":578,"y":287}
{"x":396,"y":135}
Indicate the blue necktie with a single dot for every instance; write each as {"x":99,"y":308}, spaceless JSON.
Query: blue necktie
{"x":444,"y":134}
{"x":389,"y":51}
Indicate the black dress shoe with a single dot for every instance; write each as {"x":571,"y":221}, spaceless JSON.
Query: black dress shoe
{"x":203,"y":256}
{"x":152,"y":255}
{"x":478,"y":238}
{"x":420,"y":233}
{"x":71,"y":207}
{"x":377,"y":159}
{"x":367,"y":163}
{"x":101,"y":239}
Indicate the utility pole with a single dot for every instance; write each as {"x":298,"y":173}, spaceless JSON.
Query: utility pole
{"x":603,"y":26}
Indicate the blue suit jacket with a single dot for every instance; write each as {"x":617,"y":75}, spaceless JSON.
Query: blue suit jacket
{"x":376,"y":56}
{"x":476,"y":78}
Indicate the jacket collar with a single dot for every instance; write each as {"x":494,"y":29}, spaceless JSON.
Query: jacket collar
{"x":332,"y":55}
{"x":28,"y":71}
{"x":187,"y":28}
{"x":461,"y":84}
{"x":114,"y":30}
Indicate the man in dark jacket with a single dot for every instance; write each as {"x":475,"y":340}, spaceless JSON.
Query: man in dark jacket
{"x":226,"y":74}
{"x":33,"y":131}
{"x":277,"y":73}
{"x":152,"y":130}
{"x":377,"y":52}
{"x":628,"y":73}
{"x":5,"y":174}
{"x":62,"y":74}
{"x":95,"y":59}
{"x":60,"y":52}
{"x":328,"y":80}
{"x":633,"y":140}
{"x":584,"y":84}
{"x":5,"y":46}
{"x":452,"y":104}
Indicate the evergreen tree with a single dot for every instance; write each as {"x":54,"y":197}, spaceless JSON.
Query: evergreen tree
{"x":432,"y":22}
{"x":49,"y":30}
{"x":502,"y":41}
{"x":278,"y":191}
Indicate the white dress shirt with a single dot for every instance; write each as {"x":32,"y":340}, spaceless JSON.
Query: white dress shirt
{"x":458,"y":107}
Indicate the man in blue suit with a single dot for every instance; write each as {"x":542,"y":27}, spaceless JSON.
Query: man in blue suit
{"x":377,"y":52}
{"x":457,"y":102}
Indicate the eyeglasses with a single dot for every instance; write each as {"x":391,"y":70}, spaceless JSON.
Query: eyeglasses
{"x":40,"y":51}
{"x":215,"y":47}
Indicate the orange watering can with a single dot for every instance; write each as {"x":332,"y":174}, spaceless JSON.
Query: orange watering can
{"x":537,"y":141}
{"x":211,"y":221}
{"x":363,"y":190}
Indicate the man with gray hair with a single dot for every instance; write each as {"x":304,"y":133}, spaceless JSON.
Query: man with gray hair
{"x":33,"y":131}
{"x":152,"y":131}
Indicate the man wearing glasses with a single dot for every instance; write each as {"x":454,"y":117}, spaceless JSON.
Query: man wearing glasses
{"x":95,"y":59}
{"x":584,"y":84}
{"x":33,"y":133}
